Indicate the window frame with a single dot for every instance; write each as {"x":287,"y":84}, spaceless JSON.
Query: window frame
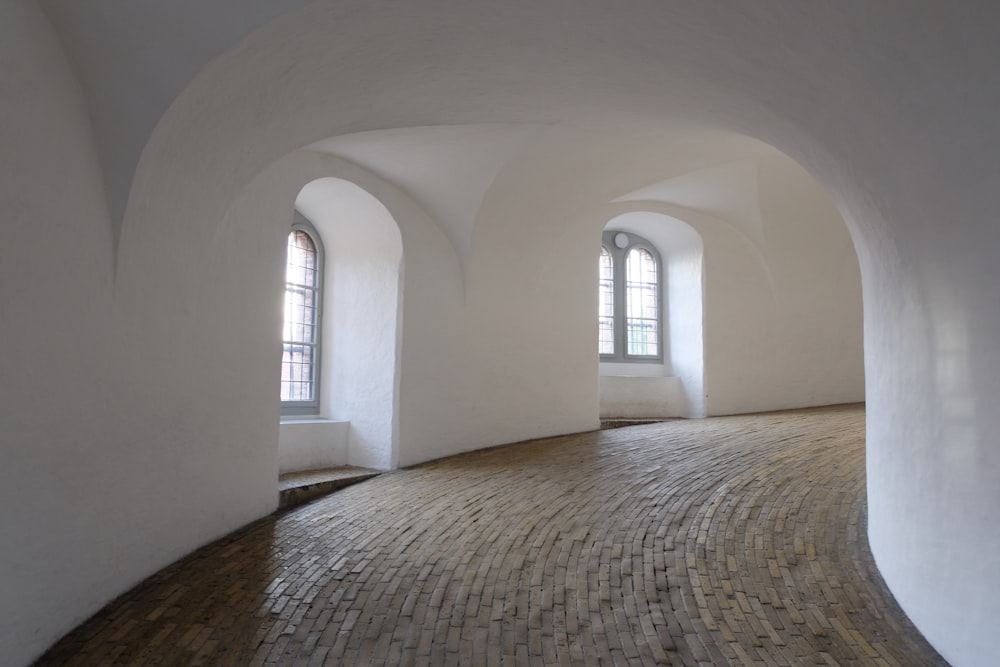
{"x":619,"y":258}
{"x":311,"y":407}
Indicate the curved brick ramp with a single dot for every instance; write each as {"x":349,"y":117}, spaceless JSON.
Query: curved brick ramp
{"x":737,"y":540}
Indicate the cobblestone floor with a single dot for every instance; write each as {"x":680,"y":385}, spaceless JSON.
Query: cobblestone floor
{"x":727,"y":541}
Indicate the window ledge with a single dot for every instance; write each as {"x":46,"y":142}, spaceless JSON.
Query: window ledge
{"x":306,"y":419}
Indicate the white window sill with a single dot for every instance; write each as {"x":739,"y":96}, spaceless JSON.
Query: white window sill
{"x":308,"y":419}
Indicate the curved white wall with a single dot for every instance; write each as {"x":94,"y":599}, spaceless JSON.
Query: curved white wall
{"x":686,"y":292}
{"x":50,"y":321}
{"x":783,"y":313}
{"x":143,"y":430}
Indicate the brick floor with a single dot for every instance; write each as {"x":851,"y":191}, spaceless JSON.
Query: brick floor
{"x":737,"y":540}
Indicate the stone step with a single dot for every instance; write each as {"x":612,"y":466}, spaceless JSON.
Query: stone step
{"x":616,"y":422}
{"x":295,"y":488}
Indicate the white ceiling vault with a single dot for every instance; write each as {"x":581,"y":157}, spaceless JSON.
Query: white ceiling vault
{"x":448,"y":170}
{"x":134,"y":58}
{"x":451,"y":170}
{"x":394,"y":64}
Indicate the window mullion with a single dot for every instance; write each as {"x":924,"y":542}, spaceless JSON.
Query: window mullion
{"x":621,"y":307}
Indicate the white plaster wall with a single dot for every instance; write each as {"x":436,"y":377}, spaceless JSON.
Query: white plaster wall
{"x":311,"y":444}
{"x":686,"y":294}
{"x":112,"y":451}
{"x":785,"y":330}
{"x":56,"y":370}
{"x":782,"y":304}
{"x":640,"y":397}
{"x":535,"y":244}
{"x":626,"y":369}
{"x":362,"y":273}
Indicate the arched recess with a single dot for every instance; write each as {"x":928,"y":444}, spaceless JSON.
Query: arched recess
{"x":675,"y":386}
{"x":359,"y":336}
{"x":781,"y":307}
{"x":370,"y":231}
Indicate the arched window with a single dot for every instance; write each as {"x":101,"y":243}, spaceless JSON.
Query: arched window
{"x":300,"y":332}
{"x":630,"y":321}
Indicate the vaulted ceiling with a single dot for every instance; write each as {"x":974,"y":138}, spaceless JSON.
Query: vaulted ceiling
{"x":385,"y":65}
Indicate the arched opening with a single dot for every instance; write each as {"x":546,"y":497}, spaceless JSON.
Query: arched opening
{"x":761,"y":295}
{"x":669,"y":381}
{"x":353,"y":420}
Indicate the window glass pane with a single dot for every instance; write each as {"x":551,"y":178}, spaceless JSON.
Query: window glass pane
{"x":296,"y":372}
{"x":606,"y":304}
{"x":300,"y":322}
{"x":641,"y":303}
{"x":301,"y":267}
{"x":300,"y":314}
